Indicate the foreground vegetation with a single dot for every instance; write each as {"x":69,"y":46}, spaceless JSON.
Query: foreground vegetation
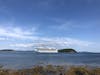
{"x":53,"y":70}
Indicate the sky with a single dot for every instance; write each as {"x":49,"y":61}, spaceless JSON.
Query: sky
{"x":26,"y":24}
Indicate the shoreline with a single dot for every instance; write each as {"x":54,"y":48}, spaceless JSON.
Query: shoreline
{"x":53,"y":70}
{"x":19,"y":67}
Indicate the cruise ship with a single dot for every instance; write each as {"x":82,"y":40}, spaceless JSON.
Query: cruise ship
{"x":46,"y":50}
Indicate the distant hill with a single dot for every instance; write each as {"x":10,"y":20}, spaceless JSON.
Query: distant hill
{"x":7,"y":50}
{"x":67,"y":51}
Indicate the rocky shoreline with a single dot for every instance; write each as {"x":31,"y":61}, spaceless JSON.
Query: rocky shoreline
{"x":53,"y":70}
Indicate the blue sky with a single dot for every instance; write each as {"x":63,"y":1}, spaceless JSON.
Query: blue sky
{"x":24,"y":24}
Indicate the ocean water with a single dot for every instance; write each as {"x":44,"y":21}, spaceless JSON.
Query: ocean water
{"x":27,"y":59}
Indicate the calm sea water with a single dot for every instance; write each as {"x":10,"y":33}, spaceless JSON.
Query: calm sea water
{"x":27,"y":59}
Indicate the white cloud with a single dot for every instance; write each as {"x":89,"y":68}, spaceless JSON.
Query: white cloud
{"x":17,"y":32}
{"x":2,"y":39}
{"x":22,"y":45}
{"x":55,"y":43}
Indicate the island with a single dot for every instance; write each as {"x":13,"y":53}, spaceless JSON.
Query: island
{"x":7,"y":50}
{"x":67,"y":50}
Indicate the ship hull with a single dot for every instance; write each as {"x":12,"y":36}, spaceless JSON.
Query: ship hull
{"x":40,"y":50}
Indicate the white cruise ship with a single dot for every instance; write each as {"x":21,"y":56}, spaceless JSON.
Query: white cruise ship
{"x":46,"y":50}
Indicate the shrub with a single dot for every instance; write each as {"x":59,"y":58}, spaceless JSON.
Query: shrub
{"x":78,"y":71}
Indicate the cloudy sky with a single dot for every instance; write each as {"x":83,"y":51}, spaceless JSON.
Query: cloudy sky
{"x":25,"y":24}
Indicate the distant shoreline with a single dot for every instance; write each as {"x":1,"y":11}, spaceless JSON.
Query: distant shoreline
{"x":7,"y":50}
{"x":59,"y":51}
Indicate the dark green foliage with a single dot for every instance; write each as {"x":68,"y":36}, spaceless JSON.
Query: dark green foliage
{"x":67,"y":51}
